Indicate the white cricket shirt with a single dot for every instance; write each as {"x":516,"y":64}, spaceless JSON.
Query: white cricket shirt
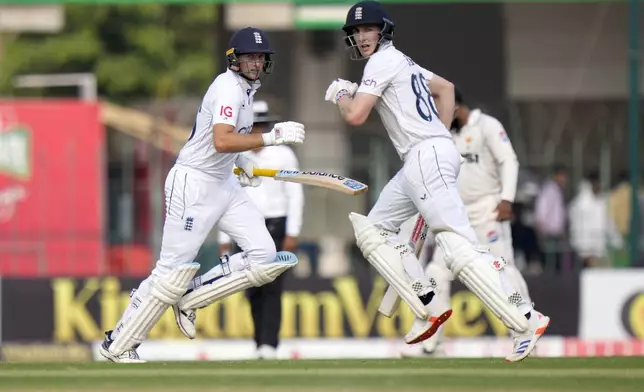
{"x":406,"y":107}
{"x":276,"y":199}
{"x":229,"y":100}
{"x":491,"y":166}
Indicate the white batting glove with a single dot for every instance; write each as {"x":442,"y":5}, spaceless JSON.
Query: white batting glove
{"x":289,"y":132}
{"x":245,"y":180}
{"x":246,"y":164}
{"x":339,"y":88}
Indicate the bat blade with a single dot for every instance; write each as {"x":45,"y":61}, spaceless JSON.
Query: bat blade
{"x":320,"y":179}
{"x":324,"y":180}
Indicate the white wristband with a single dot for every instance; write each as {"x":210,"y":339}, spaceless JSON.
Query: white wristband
{"x":267,"y":137}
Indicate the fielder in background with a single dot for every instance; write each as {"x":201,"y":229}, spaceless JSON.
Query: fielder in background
{"x":403,"y":93}
{"x":282,"y":204}
{"x":487,"y":183}
{"x":201,"y":192}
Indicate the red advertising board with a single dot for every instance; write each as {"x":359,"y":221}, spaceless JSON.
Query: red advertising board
{"x":51,"y":188}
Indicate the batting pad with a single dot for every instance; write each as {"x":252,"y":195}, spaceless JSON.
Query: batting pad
{"x":164,"y":293}
{"x":481,"y":274}
{"x":387,"y":261}
{"x":254,"y":276}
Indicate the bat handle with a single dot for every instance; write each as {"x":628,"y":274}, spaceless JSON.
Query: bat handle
{"x":258,"y":172}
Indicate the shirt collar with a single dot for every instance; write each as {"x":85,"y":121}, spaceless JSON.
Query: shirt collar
{"x":244,"y":83}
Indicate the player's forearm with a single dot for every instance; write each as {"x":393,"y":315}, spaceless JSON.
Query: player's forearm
{"x":509,"y":178}
{"x":344,"y":104}
{"x":349,"y":112}
{"x":443,"y":93}
{"x":445,"y":105}
{"x":233,"y":142}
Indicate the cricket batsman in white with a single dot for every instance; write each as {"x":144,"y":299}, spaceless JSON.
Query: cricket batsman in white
{"x":201,"y":191}
{"x":487,"y":184}
{"x":417,"y":108}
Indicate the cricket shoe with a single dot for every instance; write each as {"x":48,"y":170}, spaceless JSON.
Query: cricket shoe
{"x":423,"y":329}
{"x":266,"y":352}
{"x":186,"y":321}
{"x":128,"y":356}
{"x":525,"y":342}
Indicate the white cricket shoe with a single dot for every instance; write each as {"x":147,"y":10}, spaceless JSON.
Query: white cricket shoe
{"x":423,"y":329}
{"x":185,"y":321}
{"x":266,"y":352}
{"x":128,"y":356}
{"x":525,"y":342}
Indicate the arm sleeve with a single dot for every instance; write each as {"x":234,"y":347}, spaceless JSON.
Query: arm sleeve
{"x":295,"y":197}
{"x":501,"y":148}
{"x":377,"y":75}
{"x":223,"y":237}
{"x":224,"y":105}
{"x":426,"y":73}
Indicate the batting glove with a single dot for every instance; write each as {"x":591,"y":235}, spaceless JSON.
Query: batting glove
{"x":245,"y":180}
{"x":246,"y":164}
{"x":289,"y":132}
{"x":339,"y":88}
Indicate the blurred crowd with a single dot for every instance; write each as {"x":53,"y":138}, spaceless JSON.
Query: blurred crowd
{"x":559,"y":228}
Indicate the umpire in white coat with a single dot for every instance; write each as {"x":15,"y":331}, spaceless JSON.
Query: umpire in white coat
{"x":282,"y":205}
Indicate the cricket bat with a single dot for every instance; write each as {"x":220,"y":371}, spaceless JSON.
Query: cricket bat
{"x":324,"y":180}
{"x":391,"y":300}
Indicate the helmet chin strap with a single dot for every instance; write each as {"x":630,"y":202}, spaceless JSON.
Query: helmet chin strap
{"x":383,"y":42}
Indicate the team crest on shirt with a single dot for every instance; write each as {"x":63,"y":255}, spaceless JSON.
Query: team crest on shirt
{"x":190,"y":221}
{"x":492,"y":236}
{"x":504,"y":136}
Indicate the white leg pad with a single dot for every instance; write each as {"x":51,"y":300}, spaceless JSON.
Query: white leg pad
{"x":386,"y":260}
{"x":163,"y":293}
{"x":481,"y":273}
{"x":254,"y":276}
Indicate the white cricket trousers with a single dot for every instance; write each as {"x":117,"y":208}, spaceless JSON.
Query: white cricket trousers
{"x":491,"y":233}
{"x":195,"y":203}
{"x":426,"y":184}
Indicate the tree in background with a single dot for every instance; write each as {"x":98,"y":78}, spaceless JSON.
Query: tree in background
{"x":136,"y":51}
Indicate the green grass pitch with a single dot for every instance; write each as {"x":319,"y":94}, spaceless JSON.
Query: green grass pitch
{"x":432,"y":375}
